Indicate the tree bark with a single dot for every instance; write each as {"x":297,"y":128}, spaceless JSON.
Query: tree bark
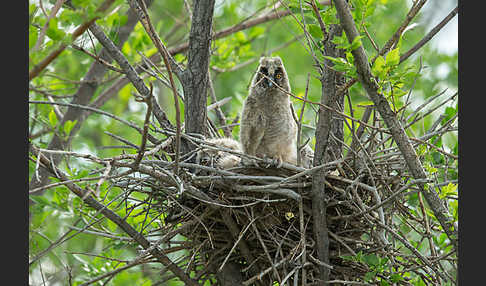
{"x":195,"y":77}
{"x":324,"y":151}
{"x":335,"y":148}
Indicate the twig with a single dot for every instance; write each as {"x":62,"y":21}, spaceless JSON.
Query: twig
{"x":398,"y":33}
{"x":411,"y":248}
{"x":98,"y":58}
{"x":90,"y":109}
{"x":170,"y":65}
{"x":266,"y":271}
{"x":299,"y":122}
{"x":238,"y":235}
{"x":269,"y":189}
{"x":429,"y":36}
{"x":141,"y":149}
{"x":54,"y":10}
{"x":392,"y":41}
{"x":414,"y":165}
{"x":34,"y":72}
{"x":216,"y":106}
{"x":140,"y":239}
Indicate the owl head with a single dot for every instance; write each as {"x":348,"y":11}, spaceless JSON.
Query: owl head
{"x":271,"y":75}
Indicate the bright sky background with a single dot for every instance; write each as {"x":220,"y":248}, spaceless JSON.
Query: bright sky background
{"x":447,"y":39}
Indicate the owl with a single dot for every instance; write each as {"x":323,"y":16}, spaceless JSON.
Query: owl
{"x":267,"y":127}
{"x":306,"y":157}
{"x":218,"y":158}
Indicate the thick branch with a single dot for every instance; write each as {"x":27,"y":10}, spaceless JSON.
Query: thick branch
{"x":85,"y":93}
{"x":169,"y":63}
{"x":195,"y":78}
{"x":127,"y":228}
{"x":414,"y":165}
{"x":324,"y":128}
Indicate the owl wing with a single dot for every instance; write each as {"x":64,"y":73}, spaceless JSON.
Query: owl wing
{"x":252,"y":127}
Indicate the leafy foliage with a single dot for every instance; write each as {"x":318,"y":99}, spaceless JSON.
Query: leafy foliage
{"x":83,"y":256}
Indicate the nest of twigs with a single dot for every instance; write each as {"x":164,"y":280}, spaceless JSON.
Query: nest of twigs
{"x":257,"y":222}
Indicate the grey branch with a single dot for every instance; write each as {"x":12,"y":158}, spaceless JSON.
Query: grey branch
{"x":414,"y":165}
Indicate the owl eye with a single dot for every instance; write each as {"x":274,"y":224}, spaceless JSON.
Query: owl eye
{"x":278,"y":76}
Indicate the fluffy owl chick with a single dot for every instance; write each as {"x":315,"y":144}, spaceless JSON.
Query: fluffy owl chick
{"x":219,"y":158}
{"x":306,"y":157}
{"x":267,"y":127}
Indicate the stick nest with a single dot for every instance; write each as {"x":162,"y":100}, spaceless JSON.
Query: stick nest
{"x":258,"y":221}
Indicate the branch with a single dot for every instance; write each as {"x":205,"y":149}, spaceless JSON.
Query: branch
{"x":128,"y":123}
{"x":130,"y":72}
{"x":127,"y":228}
{"x":329,"y":97}
{"x":414,"y":165}
{"x":195,"y":77}
{"x":393,"y":40}
{"x":53,"y":13}
{"x":85,"y":93}
{"x":122,"y":61}
{"x":111,"y":91}
{"x":169,"y":63}
{"x":429,"y":36}
{"x":97,"y":58}
{"x":34,"y":72}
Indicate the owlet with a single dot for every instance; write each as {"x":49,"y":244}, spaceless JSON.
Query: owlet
{"x":219,"y":158}
{"x":267,"y":126}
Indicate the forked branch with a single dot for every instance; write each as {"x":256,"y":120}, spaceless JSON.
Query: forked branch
{"x":381,"y":104}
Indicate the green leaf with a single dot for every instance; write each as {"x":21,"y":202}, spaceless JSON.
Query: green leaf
{"x":393,"y":57}
{"x":52,"y":118}
{"x":70,"y":16}
{"x":240,"y":37}
{"x":395,"y":278}
{"x":454,"y":206}
{"x":315,"y":30}
{"x":356,"y":43}
{"x":42,"y":201}
{"x":369,"y":276}
{"x":256,"y":32}
{"x":430,"y":169}
{"x":341,"y":42}
{"x":309,"y":19}
{"x":348,"y":257}
{"x":81,"y":3}
{"x":329,"y":16}
{"x":449,"y":190}
{"x":335,"y":60}
{"x":68,"y":126}
{"x":378,"y":67}
{"x":32,"y":38}
{"x":449,"y":112}
{"x":53,"y":31}
{"x":371,"y":259}
{"x":350,"y":58}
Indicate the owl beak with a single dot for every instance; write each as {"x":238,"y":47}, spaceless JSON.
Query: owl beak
{"x":270,"y":84}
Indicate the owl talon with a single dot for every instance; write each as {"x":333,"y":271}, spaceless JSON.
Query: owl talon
{"x":273,"y":162}
{"x":249,"y":162}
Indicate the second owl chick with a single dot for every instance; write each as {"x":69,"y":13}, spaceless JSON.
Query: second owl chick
{"x":218,"y":158}
{"x":267,"y":127}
